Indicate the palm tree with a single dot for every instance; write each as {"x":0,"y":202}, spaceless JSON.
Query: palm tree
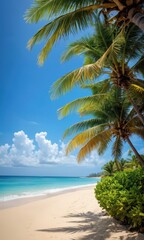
{"x":123,"y":163}
{"x":132,"y":160}
{"x":119,"y":58}
{"x":109,"y":168}
{"x":68,"y":17}
{"x":114,"y":121}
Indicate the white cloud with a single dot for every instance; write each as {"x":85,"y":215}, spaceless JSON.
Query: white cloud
{"x":41,"y":151}
{"x":94,"y":159}
{"x":22,"y":151}
{"x":48,"y":152}
{"x":4,"y":155}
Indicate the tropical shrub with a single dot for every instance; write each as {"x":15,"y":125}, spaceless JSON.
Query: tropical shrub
{"x":122,"y":196}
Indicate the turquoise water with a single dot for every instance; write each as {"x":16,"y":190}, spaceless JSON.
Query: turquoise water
{"x":12,"y":187}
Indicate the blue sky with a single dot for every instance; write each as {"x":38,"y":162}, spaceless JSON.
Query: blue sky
{"x":30,"y":132}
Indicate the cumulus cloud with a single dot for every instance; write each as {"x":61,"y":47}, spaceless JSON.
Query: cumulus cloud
{"x":95,"y":159}
{"x":41,"y":151}
{"x":48,"y":152}
{"x":20,"y":153}
{"x":4,"y":155}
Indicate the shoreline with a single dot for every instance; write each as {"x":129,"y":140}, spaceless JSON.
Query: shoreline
{"x":28,"y":199}
{"x":73,"y":214}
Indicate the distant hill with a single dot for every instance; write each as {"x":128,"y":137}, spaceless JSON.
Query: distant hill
{"x":96,"y":174}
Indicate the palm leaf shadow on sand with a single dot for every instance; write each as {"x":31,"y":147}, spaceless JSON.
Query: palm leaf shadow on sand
{"x":94,"y":227}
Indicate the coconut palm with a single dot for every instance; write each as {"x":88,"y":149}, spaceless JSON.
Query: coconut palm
{"x":132,"y":160}
{"x":122,"y":163}
{"x":114,"y":121}
{"x":68,"y":17}
{"x":120,"y":58}
{"x":109,"y":168}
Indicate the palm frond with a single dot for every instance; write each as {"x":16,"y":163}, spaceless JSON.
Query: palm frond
{"x":132,"y":120}
{"x":100,"y":141}
{"x":81,"y":126}
{"x":88,"y":109}
{"x":49,"y":8}
{"x":104,"y":142}
{"x":139,"y":65}
{"x":139,"y":82}
{"x":105,"y":34}
{"x":134,"y":44}
{"x":138,"y":131}
{"x":78,"y":76}
{"x":60,"y":27}
{"x":88,"y":59}
{"x":78,"y":103}
{"x":117,"y":147}
{"x":95,"y":109}
{"x":114,"y":49}
{"x":136,"y":96}
{"x":108,"y":107}
{"x":92,"y":47}
{"x":109,"y":168}
{"x":38,"y":10}
{"x":87,"y":72}
{"x":100,"y":87}
{"x":84,"y":45}
{"x":136,"y":89}
{"x":84,"y":137}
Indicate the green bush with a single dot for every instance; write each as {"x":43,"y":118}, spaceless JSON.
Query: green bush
{"x":122,"y":196}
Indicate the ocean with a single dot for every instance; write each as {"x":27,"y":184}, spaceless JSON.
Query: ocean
{"x":15,"y":187}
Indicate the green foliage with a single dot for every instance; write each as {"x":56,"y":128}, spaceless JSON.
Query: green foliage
{"x":65,"y":17}
{"x":113,"y":121}
{"x":122,"y":196}
{"x":107,"y":49}
{"x":109,"y":168}
{"x":112,"y":97}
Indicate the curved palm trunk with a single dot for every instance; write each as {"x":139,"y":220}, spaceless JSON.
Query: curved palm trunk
{"x":140,"y":159}
{"x":141,"y":117}
{"x":137,"y":18}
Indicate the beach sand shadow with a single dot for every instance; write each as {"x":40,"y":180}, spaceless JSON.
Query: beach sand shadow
{"x":95,"y":227}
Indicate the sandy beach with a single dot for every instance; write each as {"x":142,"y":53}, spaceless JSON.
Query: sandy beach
{"x":73,"y":215}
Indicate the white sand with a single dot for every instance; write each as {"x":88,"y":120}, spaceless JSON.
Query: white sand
{"x":71,"y":215}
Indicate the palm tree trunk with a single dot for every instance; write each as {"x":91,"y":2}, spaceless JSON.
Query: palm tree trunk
{"x":137,"y":18}
{"x":119,"y":4}
{"x":134,"y":15}
{"x":141,"y":117}
{"x":140,"y":159}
